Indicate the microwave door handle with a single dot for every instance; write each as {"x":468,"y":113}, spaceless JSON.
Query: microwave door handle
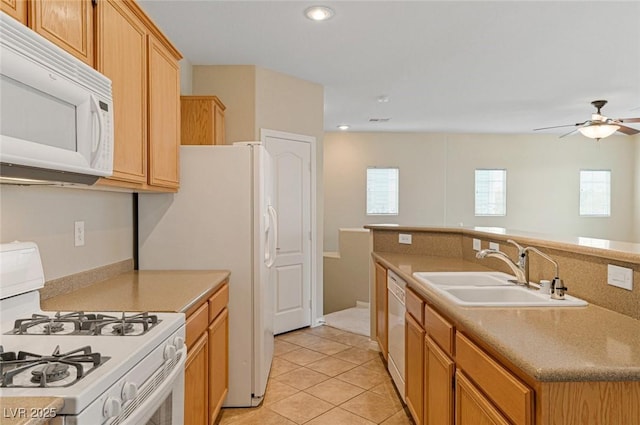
{"x":97,"y":141}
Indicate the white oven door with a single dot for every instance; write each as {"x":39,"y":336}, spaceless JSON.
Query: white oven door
{"x":165,"y":404}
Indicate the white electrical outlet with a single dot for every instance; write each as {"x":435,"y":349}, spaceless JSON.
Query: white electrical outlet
{"x":494,"y":245}
{"x":78,"y":233}
{"x":404,"y":238}
{"x":621,"y":277}
{"x":477,"y":244}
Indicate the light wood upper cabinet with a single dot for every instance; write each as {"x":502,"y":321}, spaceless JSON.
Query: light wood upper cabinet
{"x":122,"y":57}
{"x":164,"y":114}
{"x":143,"y":68}
{"x":381,"y":308}
{"x":16,"y":9}
{"x":202,"y":120}
{"x":67,"y":23}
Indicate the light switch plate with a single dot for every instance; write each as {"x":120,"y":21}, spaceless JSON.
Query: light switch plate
{"x":477,"y":244}
{"x":621,"y":277}
{"x":404,"y":238}
{"x":494,"y":245}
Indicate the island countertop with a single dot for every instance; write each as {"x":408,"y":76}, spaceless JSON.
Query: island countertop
{"x":558,"y":344}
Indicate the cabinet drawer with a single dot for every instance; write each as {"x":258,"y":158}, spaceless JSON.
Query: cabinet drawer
{"x":218,"y":301}
{"x":414,"y":305}
{"x":507,"y":392}
{"x":439,"y":329}
{"x":197,"y":323}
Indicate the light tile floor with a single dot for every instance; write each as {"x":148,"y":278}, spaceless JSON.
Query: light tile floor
{"x":324,"y":376}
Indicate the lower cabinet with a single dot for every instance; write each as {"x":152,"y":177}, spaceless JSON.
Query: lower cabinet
{"x":219,"y":363}
{"x":207,"y":368}
{"x":472,"y":407}
{"x":381,"y":308}
{"x":438,"y":394}
{"x":196,"y":383}
{"x":414,"y":363}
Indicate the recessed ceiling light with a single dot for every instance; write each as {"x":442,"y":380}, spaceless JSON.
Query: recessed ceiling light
{"x":343,"y":127}
{"x":319,"y":13}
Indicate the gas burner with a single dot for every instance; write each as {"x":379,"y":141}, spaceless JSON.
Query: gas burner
{"x":48,"y":371}
{"x":52,"y":372}
{"x":135,"y":324}
{"x":59,"y":323}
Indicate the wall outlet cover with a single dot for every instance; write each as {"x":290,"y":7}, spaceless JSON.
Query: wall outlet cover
{"x":78,"y":233}
{"x":404,"y":238}
{"x":621,"y":277}
{"x":494,"y":245}
{"x":477,"y":244}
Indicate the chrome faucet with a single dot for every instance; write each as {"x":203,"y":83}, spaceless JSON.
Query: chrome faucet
{"x":521,"y":267}
{"x":516,"y":268}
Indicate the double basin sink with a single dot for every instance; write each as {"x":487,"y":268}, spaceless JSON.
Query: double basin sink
{"x":490,"y":289}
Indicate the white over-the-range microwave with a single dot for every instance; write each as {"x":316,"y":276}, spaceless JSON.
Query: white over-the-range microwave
{"x":56,"y":113}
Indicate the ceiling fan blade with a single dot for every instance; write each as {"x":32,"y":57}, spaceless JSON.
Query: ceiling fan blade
{"x":627,"y":130}
{"x":569,"y":133}
{"x":558,"y":126}
{"x":629,"y":119}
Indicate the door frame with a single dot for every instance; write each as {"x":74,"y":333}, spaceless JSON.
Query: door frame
{"x":317,"y":297}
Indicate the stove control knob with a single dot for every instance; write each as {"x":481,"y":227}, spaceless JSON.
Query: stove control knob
{"x":178,"y":342}
{"x":129,"y":391}
{"x":112,"y":407}
{"x":170,"y":352}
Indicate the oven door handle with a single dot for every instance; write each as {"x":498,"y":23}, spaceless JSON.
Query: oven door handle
{"x":144,"y":411}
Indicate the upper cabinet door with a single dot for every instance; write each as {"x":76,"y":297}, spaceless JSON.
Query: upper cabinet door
{"x":164,"y":116}
{"x":67,"y":23}
{"x":122,"y":57}
{"x":15,"y":8}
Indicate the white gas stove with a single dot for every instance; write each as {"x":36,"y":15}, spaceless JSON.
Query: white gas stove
{"x":110,"y":368}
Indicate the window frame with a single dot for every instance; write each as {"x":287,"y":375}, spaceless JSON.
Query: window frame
{"x":397,"y":191}
{"x":475,"y":194}
{"x":581,"y":192}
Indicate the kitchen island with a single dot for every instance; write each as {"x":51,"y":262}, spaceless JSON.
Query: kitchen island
{"x":567,"y":365}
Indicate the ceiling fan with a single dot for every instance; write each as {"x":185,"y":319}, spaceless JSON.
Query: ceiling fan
{"x":599,"y":126}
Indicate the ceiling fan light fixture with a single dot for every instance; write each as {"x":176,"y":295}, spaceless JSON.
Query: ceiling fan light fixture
{"x":319,"y":13}
{"x":599,"y":131}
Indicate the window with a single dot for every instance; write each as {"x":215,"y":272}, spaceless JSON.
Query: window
{"x":595,"y":193}
{"x":382,"y":191}
{"x":491,"y":192}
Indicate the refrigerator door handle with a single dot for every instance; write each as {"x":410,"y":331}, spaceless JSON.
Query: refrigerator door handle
{"x":270,"y":257}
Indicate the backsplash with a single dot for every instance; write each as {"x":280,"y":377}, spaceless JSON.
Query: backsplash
{"x":584,"y":274}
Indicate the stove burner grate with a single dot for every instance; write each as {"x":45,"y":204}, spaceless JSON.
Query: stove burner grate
{"x":48,"y":369}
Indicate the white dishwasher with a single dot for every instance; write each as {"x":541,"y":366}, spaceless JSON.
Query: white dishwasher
{"x":395,"y":306}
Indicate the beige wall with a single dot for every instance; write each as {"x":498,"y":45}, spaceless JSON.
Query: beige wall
{"x":258,"y":98}
{"x":636,"y":190}
{"x":346,"y":272}
{"x":46,"y":215}
{"x":186,"y":77}
{"x":235,"y":86}
{"x":437,"y":180}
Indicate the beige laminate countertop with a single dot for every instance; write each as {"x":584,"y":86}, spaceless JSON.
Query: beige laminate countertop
{"x":549,"y":344}
{"x":29,"y":410}
{"x":142,"y":290}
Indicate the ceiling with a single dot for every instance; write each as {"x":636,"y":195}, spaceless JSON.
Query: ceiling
{"x":446,"y":66}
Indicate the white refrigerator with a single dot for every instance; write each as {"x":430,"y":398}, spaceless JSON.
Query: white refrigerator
{"x":222,"y":218}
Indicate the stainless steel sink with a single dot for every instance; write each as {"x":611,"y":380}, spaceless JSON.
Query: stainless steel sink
{"x":490,"y":289}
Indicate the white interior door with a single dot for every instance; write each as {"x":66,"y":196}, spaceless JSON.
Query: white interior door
{"x":292,"y":268}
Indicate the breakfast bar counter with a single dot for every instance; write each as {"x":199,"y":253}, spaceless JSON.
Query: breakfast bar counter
{"x":548,"y":344}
